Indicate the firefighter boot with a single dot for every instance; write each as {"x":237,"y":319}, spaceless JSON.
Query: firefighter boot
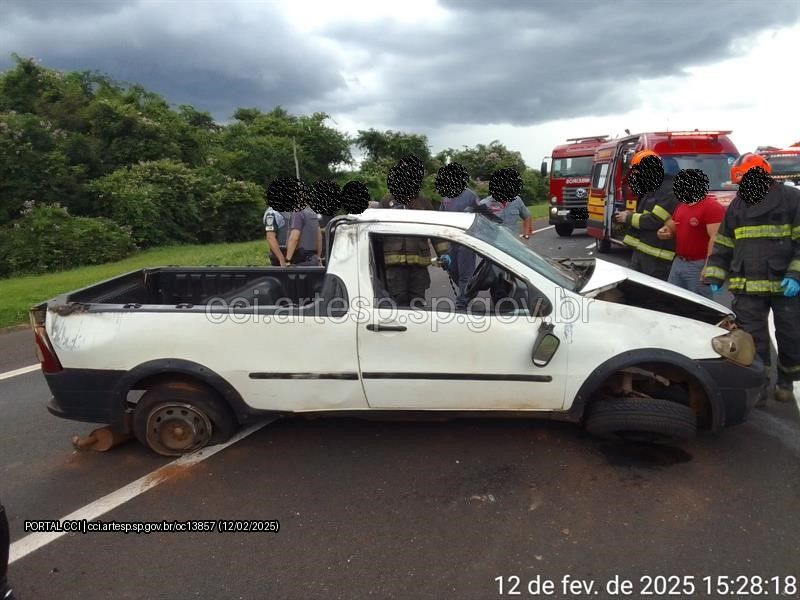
{"x":784,"y":390}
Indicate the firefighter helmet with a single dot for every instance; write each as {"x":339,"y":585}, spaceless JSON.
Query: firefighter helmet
{"x":746,"y":162}
{"x":637,"y":158}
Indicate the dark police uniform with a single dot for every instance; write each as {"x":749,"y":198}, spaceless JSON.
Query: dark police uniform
{"x":757,"y":246}
{"x":279,"y":223}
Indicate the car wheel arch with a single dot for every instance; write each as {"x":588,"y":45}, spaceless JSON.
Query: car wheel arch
{"x":638,"y":357}
{"x":159,"y":371}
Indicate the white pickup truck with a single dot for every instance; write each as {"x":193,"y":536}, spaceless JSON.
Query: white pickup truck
{"x":212,"y":348}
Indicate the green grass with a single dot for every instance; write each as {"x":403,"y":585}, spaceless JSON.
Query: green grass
{"x":18,"y":294}
{"x":538,"y":211}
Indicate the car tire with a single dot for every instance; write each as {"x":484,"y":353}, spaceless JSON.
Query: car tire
{"x":177,"y":418}
{"x":640,"y":419}
{"x":564,"y":230}
{"x":603,"y":246}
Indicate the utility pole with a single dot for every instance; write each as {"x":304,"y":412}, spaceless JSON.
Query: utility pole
{"x":296,"y":165}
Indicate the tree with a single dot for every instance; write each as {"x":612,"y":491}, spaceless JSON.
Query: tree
{"x":483,"y":160}
{"x":384,"y":148}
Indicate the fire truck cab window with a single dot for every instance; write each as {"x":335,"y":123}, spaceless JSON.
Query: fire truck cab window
{"x":599,"y":176}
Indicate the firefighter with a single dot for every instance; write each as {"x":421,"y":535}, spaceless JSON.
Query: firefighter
{"x":757,"y":251}
{"x":651,"y":179}
{"x":407,"y":258}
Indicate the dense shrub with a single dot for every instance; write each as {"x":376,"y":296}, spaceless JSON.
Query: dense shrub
{"x":47,"y":238}
{"x":159,"y":201}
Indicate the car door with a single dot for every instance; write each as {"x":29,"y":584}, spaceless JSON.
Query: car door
{"x":441,"y":359}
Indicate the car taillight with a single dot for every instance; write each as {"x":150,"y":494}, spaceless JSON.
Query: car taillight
{"x":47,"y":357}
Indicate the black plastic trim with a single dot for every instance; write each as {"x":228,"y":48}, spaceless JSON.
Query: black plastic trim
{"x":300,"y":375}
{"x":457,"y":376}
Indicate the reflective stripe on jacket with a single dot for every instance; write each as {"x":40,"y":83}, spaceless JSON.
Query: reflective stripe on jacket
{"x":652,"y":211}
{"x":402,"y":250}
{"x":758,"y":245}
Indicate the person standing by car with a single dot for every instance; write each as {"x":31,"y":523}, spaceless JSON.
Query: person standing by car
{"x":693,"y":225}
{"x":451,"y":183}
{"x":407,"y":259}
{"x":304,"y":244}
{"x":651,"y":181}
{"x":284,"y":195}
{"x":504,"y":201}
{"x":757,"y":251}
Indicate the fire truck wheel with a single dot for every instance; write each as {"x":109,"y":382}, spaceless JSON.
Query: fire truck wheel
{"x":640,"y":419}
{"x":564,"y":230}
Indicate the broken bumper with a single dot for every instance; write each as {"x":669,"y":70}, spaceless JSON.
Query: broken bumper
{"x":736,"y":387}
{"x":84,"y":395}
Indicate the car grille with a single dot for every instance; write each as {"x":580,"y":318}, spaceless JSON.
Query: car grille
{"x":571,"y":199}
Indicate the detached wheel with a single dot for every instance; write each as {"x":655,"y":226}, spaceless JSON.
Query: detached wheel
{"x":177,"y":418}
{"x":564,"y":230}
{"x":602,"y":246}
{"x":640,"y":419}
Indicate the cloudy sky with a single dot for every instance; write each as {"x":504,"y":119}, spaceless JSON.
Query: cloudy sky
{"x":527,"y":73}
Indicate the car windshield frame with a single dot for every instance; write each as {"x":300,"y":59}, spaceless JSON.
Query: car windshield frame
{"x":690,"y":161}
{"x":502,"y":239}
{"x":554,"y":172}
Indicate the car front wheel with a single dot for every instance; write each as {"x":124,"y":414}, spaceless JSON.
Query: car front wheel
{"x":640,"y":419}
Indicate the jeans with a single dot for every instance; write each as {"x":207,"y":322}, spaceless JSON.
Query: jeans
{"x":461,"y":268}
{"x":686,"y":274}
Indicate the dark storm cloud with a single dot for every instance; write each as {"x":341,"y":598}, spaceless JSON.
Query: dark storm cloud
{"x":216,"y":56}
{"x":502,"y":62}
{"x":527,"y":63}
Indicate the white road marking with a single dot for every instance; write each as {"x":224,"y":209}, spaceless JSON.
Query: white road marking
{"x":34,"y":541}
{"x":543,"y":229}
{"x":590,"y":245}
{"x":22,"y":371}
{"x":771,"y":322}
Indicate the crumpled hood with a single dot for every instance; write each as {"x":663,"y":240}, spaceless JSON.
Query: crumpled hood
{"x":606,"y":275}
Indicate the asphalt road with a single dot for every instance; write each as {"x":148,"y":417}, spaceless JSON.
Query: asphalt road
{"x":403,"y":510}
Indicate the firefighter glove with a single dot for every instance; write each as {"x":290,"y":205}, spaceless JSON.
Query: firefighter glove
{"x":445,"y":261}
{"x":715,"y":289}
{"x":791,"y":287}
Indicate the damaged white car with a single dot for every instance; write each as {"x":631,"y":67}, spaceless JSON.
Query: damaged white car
{"x":181,"y":357}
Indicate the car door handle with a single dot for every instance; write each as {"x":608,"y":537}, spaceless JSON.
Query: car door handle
{"x":380,"y":327}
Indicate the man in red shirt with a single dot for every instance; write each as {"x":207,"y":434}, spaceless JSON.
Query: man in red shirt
{"x":694,"y":224}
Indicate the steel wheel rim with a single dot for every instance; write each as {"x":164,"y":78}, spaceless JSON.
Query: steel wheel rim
{"x":178,"y":428}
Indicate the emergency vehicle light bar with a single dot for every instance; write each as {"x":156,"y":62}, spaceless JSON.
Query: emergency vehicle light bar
{"x":692,"y":133}
{"x":601,"y":138}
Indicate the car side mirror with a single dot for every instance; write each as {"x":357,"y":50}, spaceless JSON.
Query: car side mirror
{"x":538,"y":304}
{"x":544,"y":169}
{"x":545,"y":346}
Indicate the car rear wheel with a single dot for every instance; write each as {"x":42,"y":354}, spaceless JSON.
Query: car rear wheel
{"x":177,"y":418}
{"x":564,"y":230}
{"x":640,"y":419}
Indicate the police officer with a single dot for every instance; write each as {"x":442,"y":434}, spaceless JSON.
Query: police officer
{"x":651,"y":179}
{"x":407,"y":259}
{"x":276,"y":228}
{"x":757,"y":250}
{"x":304,"y":244}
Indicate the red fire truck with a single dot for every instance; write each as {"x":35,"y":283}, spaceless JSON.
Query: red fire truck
{"x":711,"y":151}
{"x":785,"y":162}
{"x":571,"y":166}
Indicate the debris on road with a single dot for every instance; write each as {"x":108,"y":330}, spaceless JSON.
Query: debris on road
{"x":100,"y":440}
